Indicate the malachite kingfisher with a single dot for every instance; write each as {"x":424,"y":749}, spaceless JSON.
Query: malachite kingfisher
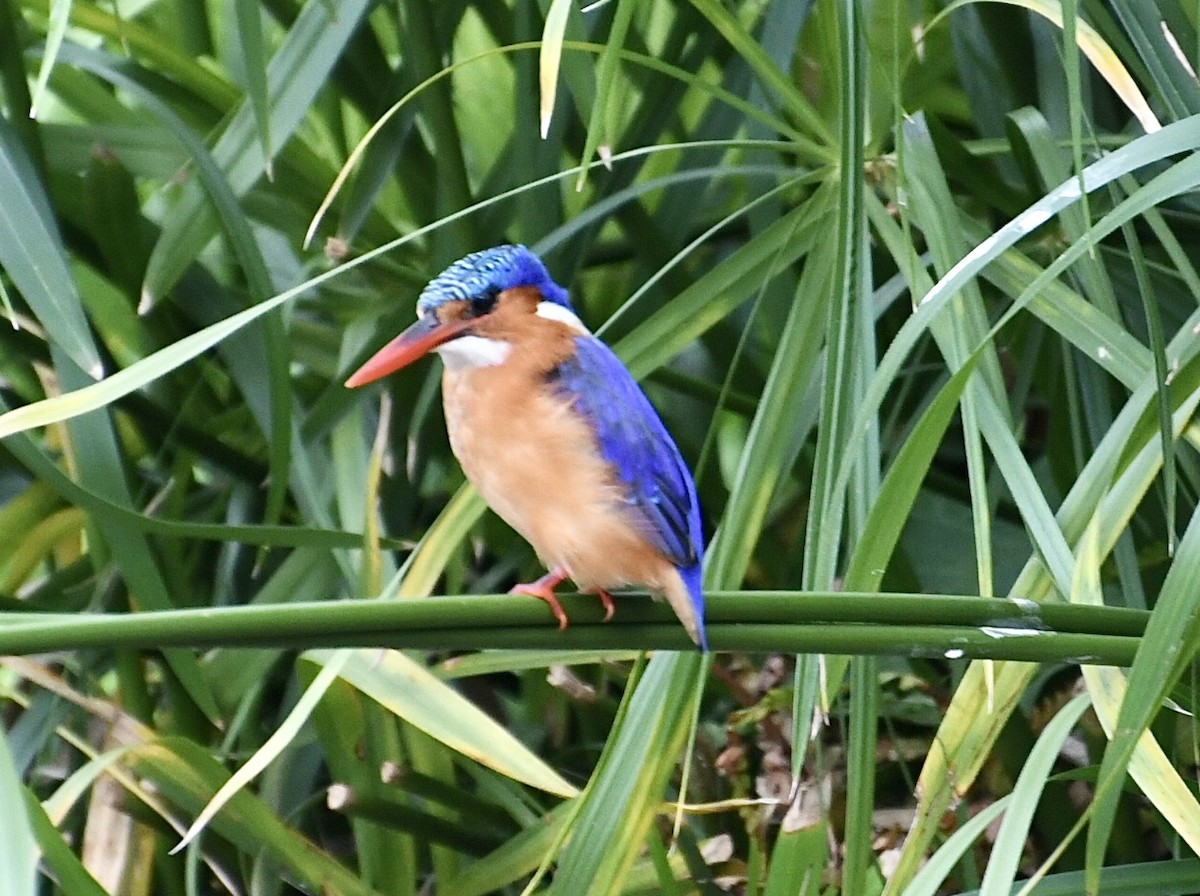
{"x":555,"y":434}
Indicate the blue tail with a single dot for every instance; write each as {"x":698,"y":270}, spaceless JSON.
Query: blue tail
{"x":691,"y":578}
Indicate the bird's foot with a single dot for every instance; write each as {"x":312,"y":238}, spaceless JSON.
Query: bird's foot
{"x":543,"y":589}
{"x":607,"y":601}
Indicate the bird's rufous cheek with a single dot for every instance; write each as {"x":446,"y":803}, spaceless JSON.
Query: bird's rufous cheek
{"x":417,"y":341}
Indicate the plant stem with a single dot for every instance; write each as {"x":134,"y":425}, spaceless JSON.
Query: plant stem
{"x":799,"y":622}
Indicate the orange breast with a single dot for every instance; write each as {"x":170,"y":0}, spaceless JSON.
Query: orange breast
{"x":536,"y":463}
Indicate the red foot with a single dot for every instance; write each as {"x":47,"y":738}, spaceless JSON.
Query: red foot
{"x":543,"y":589}
{"x":606,"y":599}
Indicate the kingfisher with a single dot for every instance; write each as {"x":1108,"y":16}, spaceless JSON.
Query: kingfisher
{"x":556,"y":434}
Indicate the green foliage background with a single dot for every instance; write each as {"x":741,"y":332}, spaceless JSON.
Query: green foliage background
{"x":914,"y":285}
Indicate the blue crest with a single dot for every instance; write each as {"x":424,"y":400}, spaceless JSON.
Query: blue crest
{"x":492,"y":270}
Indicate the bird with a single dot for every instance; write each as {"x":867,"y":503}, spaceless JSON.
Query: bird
{"x":556,"y":435}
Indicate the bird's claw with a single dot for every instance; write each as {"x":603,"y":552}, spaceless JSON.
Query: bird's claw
{"x":543,"y":589}
{"x":607,"y":601}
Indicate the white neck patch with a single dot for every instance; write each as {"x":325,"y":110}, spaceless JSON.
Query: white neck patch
{"x":554,"y":311}
{"x":473,"y":351}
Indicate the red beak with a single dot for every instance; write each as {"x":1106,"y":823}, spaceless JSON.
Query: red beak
{"x":415,"y":342}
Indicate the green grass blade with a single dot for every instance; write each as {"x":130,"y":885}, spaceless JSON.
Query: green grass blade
{"x":1140,"y":152}
{"x":850,"y":356}
{"x":19,"y":849}
{"x":187,"y":775}
{"x":281,"y":738}
{"x":1169,"y":645}
{"x":32,"y":254}
{"x":232,"y":217}
{"x":295,"y":74}
{"x":1149,"y":764}
{"x":60,"y":14}
{"x":710,"y":298}
{"x":411,"y":692}
{"x":250,"y":38}
{"x":1175,"y":86}
{"x":1162,"y":373}
{"x":1099,"y":53}
{"x":69,"y":872}
{"x":783,"y":405}
{"x":550,"y":58}
{"x":861,"y":761}
{"x":623,"y":799}
{"x":966,"y":741}
{"x":934,"y":872}
{"x":983,"y":411}
{"x":517,"y":858}
{"x":873,"y":552}
{"x":1009,"y":847}
{"x":103,"y":393}
{"x":778,"y":81}
{"x":608,"y":92}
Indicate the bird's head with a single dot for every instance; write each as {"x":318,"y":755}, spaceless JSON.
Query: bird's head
{"x":471,"y":312}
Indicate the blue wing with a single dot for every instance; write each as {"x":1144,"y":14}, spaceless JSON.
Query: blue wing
{"x":633,"y":439}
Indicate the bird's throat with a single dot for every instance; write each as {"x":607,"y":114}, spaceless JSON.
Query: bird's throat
{"x":468,"y":352}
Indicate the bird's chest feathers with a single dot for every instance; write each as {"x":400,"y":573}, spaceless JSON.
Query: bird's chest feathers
{"x":531,"y":456}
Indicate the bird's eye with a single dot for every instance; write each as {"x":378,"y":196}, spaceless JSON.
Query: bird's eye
{"x":484,"y":302}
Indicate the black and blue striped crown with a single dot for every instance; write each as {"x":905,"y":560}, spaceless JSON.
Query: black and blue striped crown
{"x":491,"y":271}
